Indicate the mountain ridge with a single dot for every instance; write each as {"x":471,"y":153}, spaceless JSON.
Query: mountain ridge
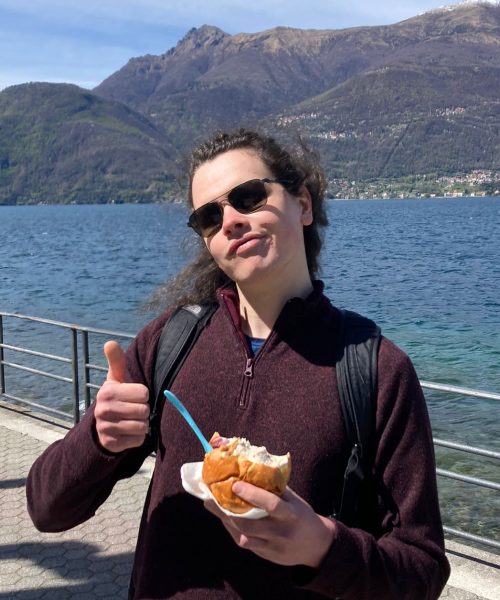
{"x":418,"y":96}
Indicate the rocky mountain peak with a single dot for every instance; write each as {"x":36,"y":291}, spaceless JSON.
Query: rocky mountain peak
{"x":201,"y":37}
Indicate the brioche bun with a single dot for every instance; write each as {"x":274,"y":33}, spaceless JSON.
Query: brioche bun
{"x":235,"y":459}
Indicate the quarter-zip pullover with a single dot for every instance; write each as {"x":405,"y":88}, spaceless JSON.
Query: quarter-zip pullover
{"x":285,"y":398}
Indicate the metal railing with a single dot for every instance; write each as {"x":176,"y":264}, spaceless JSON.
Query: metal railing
{"x":74,"y":361}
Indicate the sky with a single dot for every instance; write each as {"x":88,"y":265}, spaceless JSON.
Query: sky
{"x":85,"y":41}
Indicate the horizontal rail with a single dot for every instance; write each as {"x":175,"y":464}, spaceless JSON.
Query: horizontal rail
{"x":33,"y":353}
{"x":465,"y":448}
{"x":459,"y":390}
{"x":60,"y":413}
{"x":95,"y":368}
{"x":467,"y":479}
{"x":69,"y":325}
{"x":37,"y":372}
{"x":92,"y":386}
{"x":472,"y":537}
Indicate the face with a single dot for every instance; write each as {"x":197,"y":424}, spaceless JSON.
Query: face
{"x":259,"y":248}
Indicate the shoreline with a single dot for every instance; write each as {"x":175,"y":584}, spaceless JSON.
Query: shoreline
{"x":378,"y":198}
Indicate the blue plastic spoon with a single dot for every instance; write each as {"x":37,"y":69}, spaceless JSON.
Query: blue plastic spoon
{"x":183,"y":410}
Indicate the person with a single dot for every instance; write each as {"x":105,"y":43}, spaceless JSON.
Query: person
{"x":263,"y":368}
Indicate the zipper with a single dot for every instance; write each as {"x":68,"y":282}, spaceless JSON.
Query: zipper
{"x":248,"y":374}
{"x":249,"y":368}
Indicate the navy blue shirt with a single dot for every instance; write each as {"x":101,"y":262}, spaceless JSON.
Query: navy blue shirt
{"x":254,"y":344}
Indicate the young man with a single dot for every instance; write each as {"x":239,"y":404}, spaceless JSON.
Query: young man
{"x":264,"y":369}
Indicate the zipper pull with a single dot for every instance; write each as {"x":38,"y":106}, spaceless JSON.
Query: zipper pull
{"x":249,"y":368}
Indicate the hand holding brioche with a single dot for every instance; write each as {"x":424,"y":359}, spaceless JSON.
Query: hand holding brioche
{"x":235,"y":459}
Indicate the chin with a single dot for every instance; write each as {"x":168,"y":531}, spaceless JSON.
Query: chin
{"x":252,"y":269}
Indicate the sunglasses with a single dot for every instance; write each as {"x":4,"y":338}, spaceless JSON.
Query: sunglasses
{"x":246,"y":198}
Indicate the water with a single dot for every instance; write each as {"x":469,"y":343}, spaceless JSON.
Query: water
{"x":428,"y":271}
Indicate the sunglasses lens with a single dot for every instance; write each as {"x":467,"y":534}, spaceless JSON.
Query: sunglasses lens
{"x":207,"y":219}
{"x":245,"y":198}
{"x":248,"y":196}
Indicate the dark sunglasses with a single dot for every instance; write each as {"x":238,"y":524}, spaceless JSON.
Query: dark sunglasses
{"x":246,"y":198}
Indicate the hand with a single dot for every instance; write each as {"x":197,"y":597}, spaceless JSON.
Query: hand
{"x":292,"y":534}
{"x":122,"y":408}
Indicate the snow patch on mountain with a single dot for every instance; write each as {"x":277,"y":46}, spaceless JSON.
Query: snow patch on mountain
{"x":465,"y":3}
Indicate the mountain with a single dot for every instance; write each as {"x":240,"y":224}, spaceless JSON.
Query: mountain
{"x":431,"y":106}
{"x":60,"y":143}
{"x":420,"y":97}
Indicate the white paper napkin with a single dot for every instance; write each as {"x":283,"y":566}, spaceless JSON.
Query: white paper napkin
{"x":193,"y":484}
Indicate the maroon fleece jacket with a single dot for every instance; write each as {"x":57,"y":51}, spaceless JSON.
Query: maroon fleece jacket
{"x":287,"y":401}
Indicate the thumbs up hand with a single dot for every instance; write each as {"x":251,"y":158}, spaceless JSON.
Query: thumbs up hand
{"x":122,"y":408}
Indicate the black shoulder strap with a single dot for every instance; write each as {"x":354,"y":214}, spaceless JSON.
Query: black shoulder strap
{"x":176,"y":341}
{"x":356,"y":366}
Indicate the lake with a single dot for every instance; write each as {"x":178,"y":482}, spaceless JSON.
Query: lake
{"x":427,"y":271}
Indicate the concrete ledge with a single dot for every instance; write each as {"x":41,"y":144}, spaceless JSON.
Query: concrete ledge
{"x":473,"y":572}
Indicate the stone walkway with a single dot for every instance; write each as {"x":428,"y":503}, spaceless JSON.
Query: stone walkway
{"x":93,"y":561}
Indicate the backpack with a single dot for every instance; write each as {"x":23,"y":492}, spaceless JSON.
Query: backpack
{"x":356,"y":368}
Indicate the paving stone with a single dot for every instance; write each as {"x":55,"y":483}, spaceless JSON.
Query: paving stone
{"x":28,"y":569}
{"x":33,"y":582}
{"x":94,"y":537}
{"x":83,"y":574}
{"x":11,"y":567}
{"x":84,"y":596}
{"x":77,"y":564}
{"x":106,"y":589}
{"x":9,"y":548}
{"x":57,"y":594}
{"x":29,"y":550}
{"x":100,"y":566}
{"x":28,"y":594}
{"x":8,"y":580}
{"x":123,"y":558}
{"x":104,"y":577}
{"x":53,"y":562}
{"x":53,"y":551}
{"x":12,"y":512}
{"x":123,"y":581}
{"x":122,"y":569}
{"x":115,"y":540}
{"x":123,"y":548}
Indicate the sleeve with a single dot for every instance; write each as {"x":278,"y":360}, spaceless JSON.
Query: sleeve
{"x":75,"y":475}
{"x":403,"y":555}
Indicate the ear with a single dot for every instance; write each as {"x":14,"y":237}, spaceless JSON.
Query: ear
{"x":305,"y":203}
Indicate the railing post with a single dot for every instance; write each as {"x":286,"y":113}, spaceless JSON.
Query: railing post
{"x":86,"y":370}
{"x":74,"y":364}
{"x":2,"y":368}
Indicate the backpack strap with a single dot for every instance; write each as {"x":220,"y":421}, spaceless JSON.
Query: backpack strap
{"x":356,"y":367}
{"x":176,"y":341}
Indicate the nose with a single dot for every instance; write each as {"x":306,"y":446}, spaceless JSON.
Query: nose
{"x":231,"y":218}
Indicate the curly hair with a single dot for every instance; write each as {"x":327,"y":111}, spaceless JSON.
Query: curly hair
{"x":198,"y":282}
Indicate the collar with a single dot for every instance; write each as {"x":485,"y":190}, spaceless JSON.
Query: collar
{"x":293,"y":310}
